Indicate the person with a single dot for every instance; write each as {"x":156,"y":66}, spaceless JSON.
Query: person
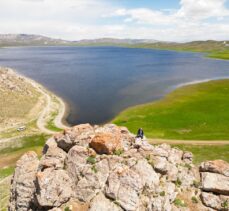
{"x":140,"y":133}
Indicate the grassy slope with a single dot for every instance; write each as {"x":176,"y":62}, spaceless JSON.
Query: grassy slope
{"x":203,"y":153}
{"x":194,"y":112}
{"x":213,"y":49}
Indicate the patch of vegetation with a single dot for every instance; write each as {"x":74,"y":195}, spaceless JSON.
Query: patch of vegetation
{"x":225,"y":204}
{"x":206,"y":152}
{"x":188,"y":166}
{"x":162,"y":193}
{"x":10,"y":155}
{"x":94,"y":169}
{"x":118,"y":152}
{"x":194,"y":200}
{"x":178,"y":182}
{"x":50,"y":123}
{"x":67,"y":209}
{"x":179,"y":203}
{"x":5,"y":172}
{"x":193,"y":112}
{"x":26,"y":143}
{"x":196,"y":184}
{"x":91,"y":160}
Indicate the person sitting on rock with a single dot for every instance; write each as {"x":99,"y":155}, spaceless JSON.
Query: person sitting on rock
{"x":140,"y":133}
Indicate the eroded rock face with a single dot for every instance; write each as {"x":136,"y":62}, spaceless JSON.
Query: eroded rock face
{"x":96,"y":168}
{"x":217,"y":202}
{"x":215,"y":183}
{"x":22,"y":185}
{"x":53,"y":188}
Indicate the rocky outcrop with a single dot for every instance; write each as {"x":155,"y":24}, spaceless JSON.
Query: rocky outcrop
{"x":215,"y":184}
{"x":22,"y":186}
{"x":89,"y":168}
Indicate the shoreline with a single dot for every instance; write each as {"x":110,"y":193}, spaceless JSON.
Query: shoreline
{"x":62,"y":110}
{"x":50,"y":102}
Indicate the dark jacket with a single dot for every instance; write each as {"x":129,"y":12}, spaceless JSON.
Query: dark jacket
{"x":140,"y":133}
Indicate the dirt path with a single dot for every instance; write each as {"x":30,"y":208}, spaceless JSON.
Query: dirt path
{"x":189,"y":142}
{"x":41,"y":121}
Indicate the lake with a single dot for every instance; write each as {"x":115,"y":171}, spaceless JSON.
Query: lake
{"x":99,"y":82}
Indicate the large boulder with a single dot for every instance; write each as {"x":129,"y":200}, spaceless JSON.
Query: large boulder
{"x":217,"y":202}
{"x":216,"y":166}
{"x":124,"y":186}
{"x":80,"y":134}
{"x":92,"y":180}
{"x":106,"y":143}
{"x":216,"y":183}
{"x":53,"y":188}
{"x":53,"y":158}
{"x":22,"y":186}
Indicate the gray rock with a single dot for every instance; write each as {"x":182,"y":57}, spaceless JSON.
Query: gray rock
{"x":175,"y":156}
{"x":92,"y":180}
{"x":216,"y":183}
{"x":53,"y":188}
{"x":217,"y":202}
{"x":124,"y":186}
{"x":160,"y":164}
{"x":101,"y":203}
{"x":54,"y":157}
{"x":147,"y":174}
{"x":22,"y":186}
{"x":216,"y":166}
{"x":73,"y":136}
{"x":187,"y":157}
{"x":77,"y":160}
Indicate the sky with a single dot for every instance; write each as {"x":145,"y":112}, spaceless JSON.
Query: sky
{"x":164,"y":20}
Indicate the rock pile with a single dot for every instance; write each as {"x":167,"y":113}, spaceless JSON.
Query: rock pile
{"x":89,"y":168}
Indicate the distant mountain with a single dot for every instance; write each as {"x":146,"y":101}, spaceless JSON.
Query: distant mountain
{"x":115,"y":41}
{"x":29,"y":40}
{"x":39,"y":40}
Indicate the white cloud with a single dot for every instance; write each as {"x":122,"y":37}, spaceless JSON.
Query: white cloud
{"x":202,"y":9}
{"x":85,"y":19}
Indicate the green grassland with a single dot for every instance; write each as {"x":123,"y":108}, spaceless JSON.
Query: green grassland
{"x":213,"y":49}
{"x":193,"y":112}
{"x":206,"y":152}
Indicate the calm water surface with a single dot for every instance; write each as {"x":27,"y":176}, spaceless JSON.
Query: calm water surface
{"x":99,"y":82}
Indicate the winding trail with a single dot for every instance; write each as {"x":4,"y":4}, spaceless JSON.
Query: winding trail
{"x":41,"y":121}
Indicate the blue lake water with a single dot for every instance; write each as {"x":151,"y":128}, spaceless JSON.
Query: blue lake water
{"x":99,"y":82}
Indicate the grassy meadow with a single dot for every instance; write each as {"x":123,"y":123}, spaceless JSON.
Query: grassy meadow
{"x":207,"y":152}
{"x":193,"y":112}
{"x":212,"y":49}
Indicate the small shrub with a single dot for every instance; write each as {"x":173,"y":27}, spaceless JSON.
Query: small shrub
{"x":67,"y":209}
{"x":194,"y":200}
{"x":162,"y":193}
{"x":93,"y":168}
{"x":118,"y":152}
{"x":196,"y":184}
{"x":225,"y":205}
{"x":91,"y":160}
{"x":178,"y":182}
{"x":148,"y":157}
{"x":179,"y":203}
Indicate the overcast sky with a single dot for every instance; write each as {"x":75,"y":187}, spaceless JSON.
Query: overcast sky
{"x":166,"y":20}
